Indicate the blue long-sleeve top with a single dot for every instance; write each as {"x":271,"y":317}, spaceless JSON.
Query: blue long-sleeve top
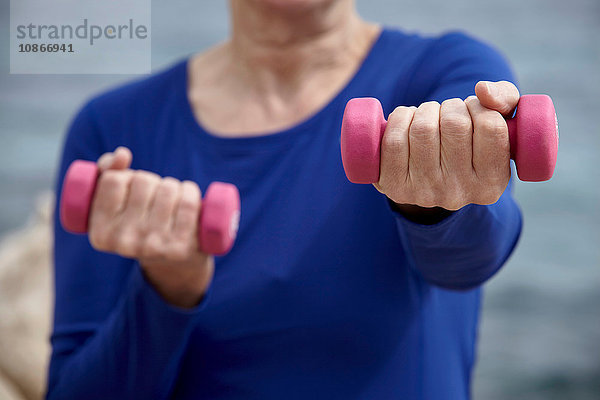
{"x":328,"y":293}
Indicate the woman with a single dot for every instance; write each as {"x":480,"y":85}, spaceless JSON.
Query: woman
{"x":332,"y":290}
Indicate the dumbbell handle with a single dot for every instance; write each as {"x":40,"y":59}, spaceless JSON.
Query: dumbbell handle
{"x":533,"y":135}
{"x":217,"y":224}
{"x":512,"y":129}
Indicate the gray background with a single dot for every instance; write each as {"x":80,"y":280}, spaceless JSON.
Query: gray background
{"x":89,"y":56}
{"x":540,"y":332}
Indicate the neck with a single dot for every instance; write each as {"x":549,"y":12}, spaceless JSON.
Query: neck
{"x":276,"y":46}
{"x":283,"y":62}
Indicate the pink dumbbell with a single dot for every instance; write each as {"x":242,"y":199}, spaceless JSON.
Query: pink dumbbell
{"x":219,"y":215}
{"x":533,"y":134}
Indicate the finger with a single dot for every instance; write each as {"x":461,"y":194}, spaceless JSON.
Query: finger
{"x":424,"y":142}
{"x":164,"y":204}
{"x":501,"y":96}
{"x":185,"y":223}
{"x":110,"y":195}
{"x":123,"y":158}
{"x":491,"y":155}
{"x":109,"y":200}
{"x":119,"y":159}
{"x":139,"y":200}
{"x":395,"y":148}
{"x":456,"y":138}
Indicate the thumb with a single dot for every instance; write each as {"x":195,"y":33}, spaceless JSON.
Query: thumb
{"x":118,"y":159}
{"x":500,"y":96}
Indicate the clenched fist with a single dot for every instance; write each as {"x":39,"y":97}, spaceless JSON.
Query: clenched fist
{"x":449,"y":155}
{"x":139,"y":215}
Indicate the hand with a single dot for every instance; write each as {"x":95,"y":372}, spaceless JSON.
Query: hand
{"x":139,"y":215}
{"x":449,"y":155}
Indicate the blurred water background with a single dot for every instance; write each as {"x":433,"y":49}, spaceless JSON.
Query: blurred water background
{"x":540,"y":331}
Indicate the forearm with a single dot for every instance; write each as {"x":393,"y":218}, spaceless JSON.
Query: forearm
{"x":133,"y":354}
{"x":465,"y":248}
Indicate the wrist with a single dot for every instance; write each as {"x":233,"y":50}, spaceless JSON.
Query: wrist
{"x":182,"y":287}
{"x":420,"y":215}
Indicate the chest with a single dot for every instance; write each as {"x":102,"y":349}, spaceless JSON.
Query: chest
{"x":317,"y":258}
{"x":314,"y":253}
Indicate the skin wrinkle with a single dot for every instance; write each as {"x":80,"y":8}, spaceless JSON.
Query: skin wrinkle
{"x":450,"y":186}
{"x":284,"y":61}
{"x":145,"y":215}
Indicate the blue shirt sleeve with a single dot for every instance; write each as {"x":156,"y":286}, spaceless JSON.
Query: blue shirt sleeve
{"x":468,"y":247}
{"x":114,"y":337}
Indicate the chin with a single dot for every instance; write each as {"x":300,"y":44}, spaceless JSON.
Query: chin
{"x":293,"y":5}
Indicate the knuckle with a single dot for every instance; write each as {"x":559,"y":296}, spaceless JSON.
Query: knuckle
{"x":112,"y":178}
{"x":400,"y":114}
{"x":430,"y":104}
{"x":455,"y":123}
{"x":424,"y":127}
{"x":500,"y":183}
{"x":426,"y":203}
{"x":144,"y":229}
{"x":398,"y":196}
{"x":494,"y":126}
{"x":454,"y":200}
{"x":472,"y":103}
{"x":128,"y":244}
{"x":426,"y":197}
{"x":140,"y":228}
{"x":167,"y":189}
{"x":489,"y":196}
{"x":169,"y":184}
{"x":192,"y":187}
{"x":392,"y":141}
{"x":455,"y":205}
{"x":141,"y":177}
{"x":454,"y":102}
{"x":101,"y":235}
{"x":449,"y":204}
{"x":191,"y":201}
{"x":98,"y":239}
{"x":391,"y":183}
{"x":189,"y":204}
{"x":154,"y":247}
